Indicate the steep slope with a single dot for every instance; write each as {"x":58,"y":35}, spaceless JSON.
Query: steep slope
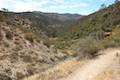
{"x":97,"y":24}
{"x":92,"y":33}
{"x":22,"y":52}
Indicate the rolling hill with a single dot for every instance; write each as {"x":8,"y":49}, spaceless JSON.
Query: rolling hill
{"x":48,"y":23}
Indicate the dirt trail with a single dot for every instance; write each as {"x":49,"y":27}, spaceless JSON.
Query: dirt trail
{"x":94,"y":67}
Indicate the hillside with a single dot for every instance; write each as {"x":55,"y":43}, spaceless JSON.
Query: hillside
{"x":33,"y":42}
{"x":21,"y":55}
{"x":24,"y":50}
{"x":97,"y":24}
{"x":51,"y":24}
{"x":61,"y":17}
{"x":99,"y":30}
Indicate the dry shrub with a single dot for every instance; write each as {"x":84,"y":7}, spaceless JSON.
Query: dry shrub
{"x":87,"y":48}
{"x":4,"y":77}
{"x":6,"y":44}
{"x":14,"y":57}
{"x":19,"y":75}
{"x":17,"y":48}
{"x":61,"y":70}
{"x":2,"y":18}
{"x":29,"y":36}
{"x":27,"y":58}
{"x":9,"y":35}
{"x":47,"y":43}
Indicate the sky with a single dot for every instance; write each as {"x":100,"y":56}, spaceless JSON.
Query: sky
{"x":83,"y":7}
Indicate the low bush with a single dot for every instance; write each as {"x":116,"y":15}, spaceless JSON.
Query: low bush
{"x":2,"y":18}
{"x":9,"y":35}
{"x":87,"y":48}
{"x":83,"y":47}
{"x":27,"y":58}
{"x":6,"y":44}
{"x":47,"y":43}
{"x":29,"y":36}
{"x":19,"y":75}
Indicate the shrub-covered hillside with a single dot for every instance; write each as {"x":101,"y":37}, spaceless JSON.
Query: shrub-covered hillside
{"x":23,"y":53}
{"x":50,"y":24}
{"x":96,"y":31}
{"x":98,"y":24}
{"x":24,"y":50}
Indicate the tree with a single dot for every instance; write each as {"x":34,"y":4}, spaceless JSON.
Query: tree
{"x":4,"y":9}
{"x":116,"y":1}
{"x":103,"y":6}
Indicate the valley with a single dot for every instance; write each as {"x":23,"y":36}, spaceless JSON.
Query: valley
{"x":51,"y":46}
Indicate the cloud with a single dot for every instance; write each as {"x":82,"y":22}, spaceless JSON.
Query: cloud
{"x":60,"y":1}
{"x":19,"y":5}
{"x":41,"y":5}
{"x":69,"y":6}
{"x":22,"y":5}
{"x":102,"y":0}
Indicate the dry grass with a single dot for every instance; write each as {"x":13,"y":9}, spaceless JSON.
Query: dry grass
{"x":61,"y":70}
{"x":111,"y":73}
{"x":107,"y":75}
